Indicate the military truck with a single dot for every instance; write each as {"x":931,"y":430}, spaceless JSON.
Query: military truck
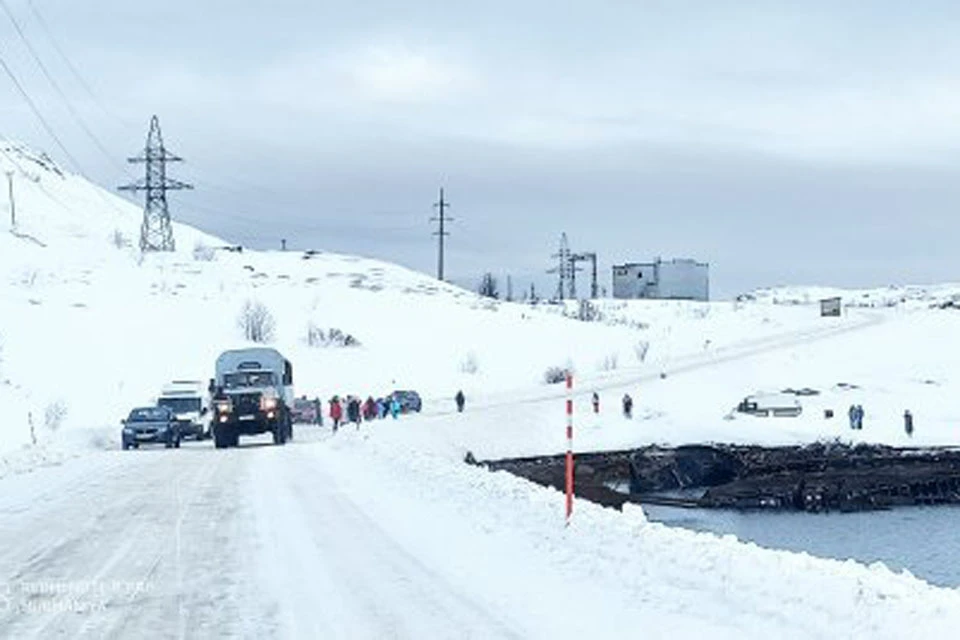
{"x":252,"y":394}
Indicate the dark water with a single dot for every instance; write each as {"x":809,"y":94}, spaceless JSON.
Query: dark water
{"x":923,"y":540}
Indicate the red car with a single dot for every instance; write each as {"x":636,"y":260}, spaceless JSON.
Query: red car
{"x":307,"y":411}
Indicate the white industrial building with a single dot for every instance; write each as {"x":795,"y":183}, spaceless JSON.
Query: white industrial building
{"x":678,"y":279}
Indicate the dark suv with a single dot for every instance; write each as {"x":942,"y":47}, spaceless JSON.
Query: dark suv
{"x":156,"y":425}
{"x":409,"y":401}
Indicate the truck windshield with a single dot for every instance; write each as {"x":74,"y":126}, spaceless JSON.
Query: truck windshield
{"x":180,"y":405}
{"x":242,"y":379}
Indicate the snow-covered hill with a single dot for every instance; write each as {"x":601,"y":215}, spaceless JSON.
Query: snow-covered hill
{"x":89,"y":328}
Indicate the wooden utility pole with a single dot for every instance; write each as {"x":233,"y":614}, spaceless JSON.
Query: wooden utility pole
{"x":13,"y":204}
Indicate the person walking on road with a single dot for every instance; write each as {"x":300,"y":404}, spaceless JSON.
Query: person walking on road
{"x":596,"y":402}
{"x":353,"y":411}
{"x":336,"y":412}
{"x":908,"y":423}
{"x":369,"y":409}
{"x":394,"y":407}
{"x":627,"y":406}
{"x":852,"y":413}
{"x":461,"y":400}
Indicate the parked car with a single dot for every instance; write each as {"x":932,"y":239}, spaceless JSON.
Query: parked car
{"x":771,"y":404}
{"x":409,"y":401}
{"x":307,"y":411}
{"x":146,"y":425}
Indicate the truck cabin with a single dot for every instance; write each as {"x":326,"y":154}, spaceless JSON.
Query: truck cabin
{"x":181,"y":404}
{"x":251,"y":369}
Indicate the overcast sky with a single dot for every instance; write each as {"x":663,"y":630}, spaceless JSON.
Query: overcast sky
{"x":783,"y":142}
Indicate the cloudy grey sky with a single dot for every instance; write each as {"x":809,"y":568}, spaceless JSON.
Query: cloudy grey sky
{"x":783,"y":142}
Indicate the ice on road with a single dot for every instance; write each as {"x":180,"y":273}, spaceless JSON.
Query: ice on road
{"x":251,"y":542}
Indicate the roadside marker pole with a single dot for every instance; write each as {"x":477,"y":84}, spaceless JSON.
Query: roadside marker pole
{"x":569,"y":465}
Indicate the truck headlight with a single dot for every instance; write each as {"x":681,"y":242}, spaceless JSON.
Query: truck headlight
{"x":268,"y":404}
{"x":224,"y":406}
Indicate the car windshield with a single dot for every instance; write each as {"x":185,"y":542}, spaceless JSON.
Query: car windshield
{"x":242,"y":379}
{"x":149,"y":414}
{"x":180,"y":405}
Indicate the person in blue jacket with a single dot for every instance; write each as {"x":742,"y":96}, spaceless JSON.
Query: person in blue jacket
{"x":394,"y":407}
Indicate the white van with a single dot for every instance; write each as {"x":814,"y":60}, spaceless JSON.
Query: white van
{"x":771,"y":404}
{"x":190,"y":403}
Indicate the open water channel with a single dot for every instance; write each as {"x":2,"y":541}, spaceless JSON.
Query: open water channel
{"x":923,"y":540}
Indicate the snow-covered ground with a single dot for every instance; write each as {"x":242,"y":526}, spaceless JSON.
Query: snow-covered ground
{"x":385,"y":531}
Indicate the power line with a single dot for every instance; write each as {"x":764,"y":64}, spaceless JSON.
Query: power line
{"x":56,"y":87}
{"x":76,"y":73}
{"x":36,"y":112}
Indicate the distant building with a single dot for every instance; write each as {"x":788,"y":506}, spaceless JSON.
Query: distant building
{"x":831,"y":307}
{"x":679,"y":279}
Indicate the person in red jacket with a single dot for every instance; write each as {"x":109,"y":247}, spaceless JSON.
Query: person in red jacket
{"x":336,"y":413}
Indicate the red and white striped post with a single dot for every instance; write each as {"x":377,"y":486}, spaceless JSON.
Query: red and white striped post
{"x":569,"y":465}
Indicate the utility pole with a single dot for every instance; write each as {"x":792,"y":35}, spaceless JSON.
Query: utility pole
{"x":13,"y":204}
{"x":509,"y":289}
{"x":156,"y":232}
{"x":441,"y":233}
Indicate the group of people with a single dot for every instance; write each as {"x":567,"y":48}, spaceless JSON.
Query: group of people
{"x":856,"y":417}
{"x":627,"y":404}
{"x":352,"y":409}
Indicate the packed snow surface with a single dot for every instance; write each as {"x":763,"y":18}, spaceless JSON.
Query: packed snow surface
{"x":382,"y":531}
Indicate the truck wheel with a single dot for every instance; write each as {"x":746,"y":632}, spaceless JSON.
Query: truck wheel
{"x":125,"y":446}
{"x":279,"y":434}
{"x":219,"y":438}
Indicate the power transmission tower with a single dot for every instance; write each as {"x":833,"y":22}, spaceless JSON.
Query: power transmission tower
{"x":564,"y":270}
{"x":441,"y":233}
{"x":156,"y":233}
{"x":591,"y":257}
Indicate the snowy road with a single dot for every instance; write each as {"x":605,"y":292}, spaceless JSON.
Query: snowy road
{"x":252,"y":542}
{"x":631,"y":377}
{"x":355,"y":536}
